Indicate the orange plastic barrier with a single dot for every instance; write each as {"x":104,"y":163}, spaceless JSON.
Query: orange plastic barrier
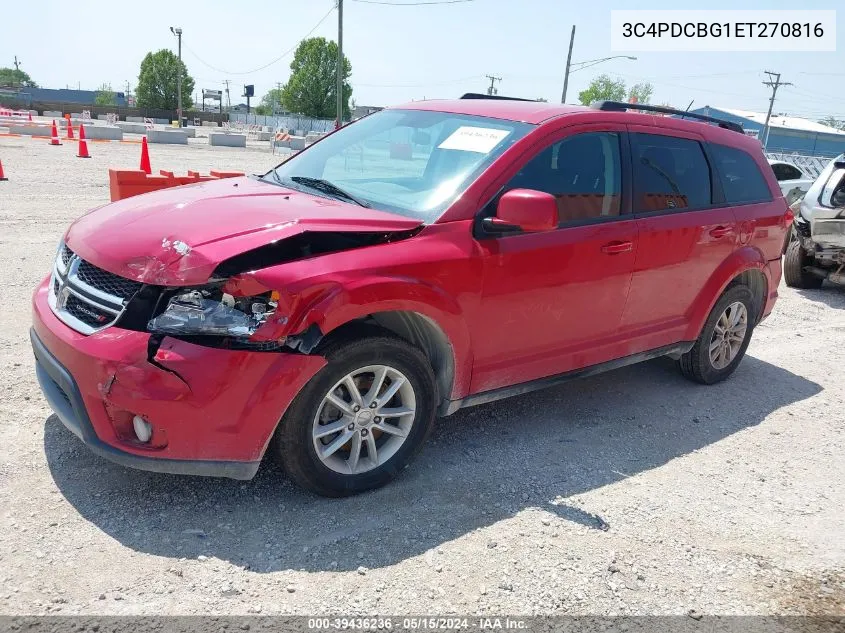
{"x":125,"y":183}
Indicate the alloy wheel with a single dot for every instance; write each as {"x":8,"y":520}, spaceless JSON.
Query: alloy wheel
{"x":364,"y":419}
{"x":728,"y":335}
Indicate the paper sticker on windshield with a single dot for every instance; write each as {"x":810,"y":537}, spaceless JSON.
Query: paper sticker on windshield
{"x":474,"y":139}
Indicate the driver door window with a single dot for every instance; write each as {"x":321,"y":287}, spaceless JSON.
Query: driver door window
{"x":582,"y":172}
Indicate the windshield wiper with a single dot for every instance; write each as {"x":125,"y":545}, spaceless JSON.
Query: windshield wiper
{"x":327,"y":187}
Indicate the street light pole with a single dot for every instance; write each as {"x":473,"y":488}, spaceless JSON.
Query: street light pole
{"x":178,"y":33}
{"x":568,"y":61}
{"x":583,"y":65}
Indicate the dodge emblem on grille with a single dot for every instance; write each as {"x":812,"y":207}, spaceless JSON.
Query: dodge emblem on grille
{"x":61,"y":296}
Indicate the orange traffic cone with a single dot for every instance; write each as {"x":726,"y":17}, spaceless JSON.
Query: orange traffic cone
{"x":2,"y":175}
{"x":145,"y":157}
{"x":82,"y":152}
{"x":69,"y":129}
{"x":54,"y":140}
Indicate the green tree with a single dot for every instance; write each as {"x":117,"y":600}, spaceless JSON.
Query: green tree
{"x":157,"y":82}
{"x":271,"y":102}
{"x":603,"y":88}
{"x":312,"y":87}
{"x":13,"y":78}
{"x":833,"y":122}
{"x":642,"y":92}
{"x":104,"y":96}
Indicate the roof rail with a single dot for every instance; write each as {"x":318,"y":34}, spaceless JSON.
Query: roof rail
{"x":478,"y":95}
{"x":619,"y":106}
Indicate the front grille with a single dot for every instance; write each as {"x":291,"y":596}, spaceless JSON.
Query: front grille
{"x":66,"y":255}
{"x":87,"y":313}
{"x":107,"y":282}
{"x":85,"y":297}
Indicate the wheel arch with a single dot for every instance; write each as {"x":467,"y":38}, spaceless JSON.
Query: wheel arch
{"x":418,"y":329}
{"x":746,"y":266}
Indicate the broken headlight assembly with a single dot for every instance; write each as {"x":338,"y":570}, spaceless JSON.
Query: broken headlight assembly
{"x":202,"y":312}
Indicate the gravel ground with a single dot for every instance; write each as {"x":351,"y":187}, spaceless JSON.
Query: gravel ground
{"x":634,"y":492}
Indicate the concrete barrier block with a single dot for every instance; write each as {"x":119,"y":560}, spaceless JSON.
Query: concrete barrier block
{"x":107,"y":132}
{"x":265,"y":136}
{"x":134,"y":119}
{"x":53,"y":114}
{"x":75,"y":115}
{"x":172,"y":137}
{"x":132,"y":127}
{"x":190,"y":131}
{"x":32,"y":130}
{"x":227,"y":140}
{"x":297,"y":142}
{"x":210,"y":124}
{"x":312,"y":137}
{"x":162,"y":121}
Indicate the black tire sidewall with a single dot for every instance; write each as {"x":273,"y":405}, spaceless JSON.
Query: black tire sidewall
{"x":295,"y":445}
{"x":708,"y":373}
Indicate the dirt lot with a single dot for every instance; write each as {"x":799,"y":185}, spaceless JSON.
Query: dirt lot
{"x":630,"y":493}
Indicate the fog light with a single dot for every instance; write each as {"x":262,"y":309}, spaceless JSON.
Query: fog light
{"x":143,"y":429}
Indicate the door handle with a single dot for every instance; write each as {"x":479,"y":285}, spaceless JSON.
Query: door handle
{"x":614,"y":248}
{"x":721,"y":231}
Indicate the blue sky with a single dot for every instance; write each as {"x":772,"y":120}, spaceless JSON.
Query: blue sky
{"x":403,"y":53}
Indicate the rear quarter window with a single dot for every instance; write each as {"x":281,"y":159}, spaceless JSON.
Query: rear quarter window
{"x":741,"y":178}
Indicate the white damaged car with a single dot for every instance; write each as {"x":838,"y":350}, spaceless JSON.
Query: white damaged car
{"x":816,"y":247}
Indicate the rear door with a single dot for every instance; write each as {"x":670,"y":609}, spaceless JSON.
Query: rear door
{"x":760,"y":216}
{"x":685,"y":232}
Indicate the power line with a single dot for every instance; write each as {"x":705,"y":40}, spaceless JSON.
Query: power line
{"x":411,"y":4}
{"x":420,"y":85}
{"x":278,"y":59}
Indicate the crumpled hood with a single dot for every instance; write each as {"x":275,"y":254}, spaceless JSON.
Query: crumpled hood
{"x":178,"y":236}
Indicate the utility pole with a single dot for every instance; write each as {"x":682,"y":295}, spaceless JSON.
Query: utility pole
{"x":17,"y":63}
{"x":279,"y":87}
{"x":774,"y":85}
{"x":492,"y":89}
{"x":339,"y":63}
{"x":568,"y":63}
{"x":178,"y":33}
{"x":228,"y":100}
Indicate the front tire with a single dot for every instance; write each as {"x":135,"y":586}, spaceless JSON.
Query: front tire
{"x":360,"y":419}
{"x":723,"y":340}
{"x":793,"y":268}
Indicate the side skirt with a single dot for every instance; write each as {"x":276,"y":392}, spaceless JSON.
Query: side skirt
{"x":675,"y":350}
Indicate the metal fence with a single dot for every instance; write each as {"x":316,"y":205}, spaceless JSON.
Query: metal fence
{"x":810,"y":165}
{"x":291,"y":122}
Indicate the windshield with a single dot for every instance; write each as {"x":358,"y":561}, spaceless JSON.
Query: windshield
{"x":410,"y":162}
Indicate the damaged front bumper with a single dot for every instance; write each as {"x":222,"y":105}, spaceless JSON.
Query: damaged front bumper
{"x":212,"y":411}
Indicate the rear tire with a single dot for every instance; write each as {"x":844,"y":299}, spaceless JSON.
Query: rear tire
{"x":793,"y":268}
{"x":379,"y":455}
{"x":699,"y":364}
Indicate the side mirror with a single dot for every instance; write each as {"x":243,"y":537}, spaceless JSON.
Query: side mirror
{"x":524,"y":210}
{"x":837,"y":200}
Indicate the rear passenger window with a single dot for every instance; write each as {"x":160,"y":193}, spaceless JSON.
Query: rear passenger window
{"x":583,"y":172}
{"x":669,"y":173}
{"x":741,"y":177}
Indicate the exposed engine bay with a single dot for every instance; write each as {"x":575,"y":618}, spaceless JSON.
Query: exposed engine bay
{"x":816,"y":247}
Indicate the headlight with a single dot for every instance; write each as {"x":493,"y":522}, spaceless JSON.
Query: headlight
{"x":204,"y":312}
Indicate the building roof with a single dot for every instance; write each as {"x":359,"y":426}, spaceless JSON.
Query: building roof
{"x":780,"y":121}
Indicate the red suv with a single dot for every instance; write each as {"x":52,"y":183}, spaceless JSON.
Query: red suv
{"x":425,"y":258}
